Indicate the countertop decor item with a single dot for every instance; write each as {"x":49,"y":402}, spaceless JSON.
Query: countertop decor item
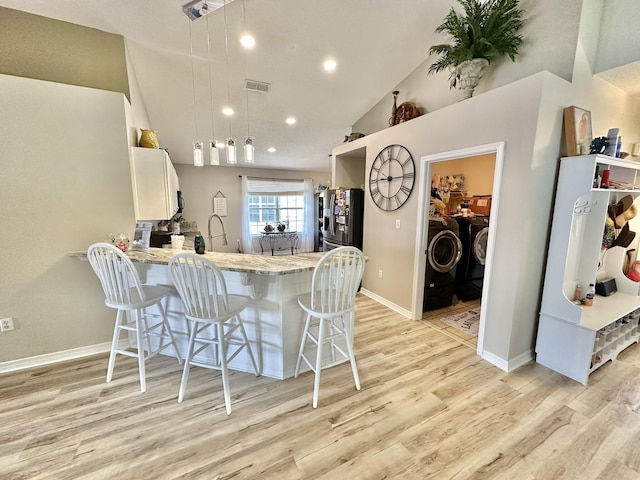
{"x":198,"y":244}
{"x":268,"y":228}
{"x":487,"y":31}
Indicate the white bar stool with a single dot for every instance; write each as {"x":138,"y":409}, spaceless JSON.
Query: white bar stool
{"x":330,"y":311}
{"x":125,"y":292}
{"x":204,"y":293}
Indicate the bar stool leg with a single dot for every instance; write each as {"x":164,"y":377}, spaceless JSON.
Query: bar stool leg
{"x":316,"y":383}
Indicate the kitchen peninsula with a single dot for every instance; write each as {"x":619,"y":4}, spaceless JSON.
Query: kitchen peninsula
{"x":273,"y":319}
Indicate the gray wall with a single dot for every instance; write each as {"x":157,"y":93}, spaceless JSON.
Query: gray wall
{"x":527,"y":116}
{"x":65,"y":183}
{"x":62,"y":52}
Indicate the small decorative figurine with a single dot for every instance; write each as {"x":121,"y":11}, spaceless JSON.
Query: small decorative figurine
{"x":599,"y":145}
{"x":394,"y":109}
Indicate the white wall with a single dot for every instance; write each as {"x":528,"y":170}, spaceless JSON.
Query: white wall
{"x":200,"y":184}
{"x":65,"y":184}
{"x":550,"y":37}
{"x":618,"y":32}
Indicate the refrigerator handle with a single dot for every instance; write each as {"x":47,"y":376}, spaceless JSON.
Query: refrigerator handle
{"x":332,"y":215}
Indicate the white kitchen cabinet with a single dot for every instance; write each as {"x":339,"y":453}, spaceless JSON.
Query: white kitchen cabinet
{"x":574,"y":339}
{"x":155,"y":184}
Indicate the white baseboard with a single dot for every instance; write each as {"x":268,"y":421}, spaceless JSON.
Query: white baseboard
{"x":396,"y":308}
{"x":508,"y":365}
{"x":55,"y":357}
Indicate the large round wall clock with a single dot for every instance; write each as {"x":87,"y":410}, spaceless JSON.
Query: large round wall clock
{"x":391,"y":178}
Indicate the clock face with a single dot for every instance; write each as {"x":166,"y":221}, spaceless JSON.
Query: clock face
{"x":391,"y":178}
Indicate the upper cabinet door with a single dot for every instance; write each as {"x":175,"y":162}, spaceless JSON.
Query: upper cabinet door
{"x":155,"y":184}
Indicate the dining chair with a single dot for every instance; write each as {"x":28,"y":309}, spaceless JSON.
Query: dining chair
{"x":330,"y":309}
{"x":125,"y":292}
{"x":215,"y":317}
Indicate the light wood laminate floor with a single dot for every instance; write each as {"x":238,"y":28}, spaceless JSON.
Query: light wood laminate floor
{"x":429,"y":408}
{"x":434,"y":318}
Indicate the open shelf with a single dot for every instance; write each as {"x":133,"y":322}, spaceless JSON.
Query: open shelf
{"x":573,"y":339}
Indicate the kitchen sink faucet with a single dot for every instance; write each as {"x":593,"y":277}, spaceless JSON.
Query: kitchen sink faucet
{"x":223,"y":234}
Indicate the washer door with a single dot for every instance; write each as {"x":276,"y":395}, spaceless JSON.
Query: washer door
{"x":444,"y":252}
{"x":479,"y":247}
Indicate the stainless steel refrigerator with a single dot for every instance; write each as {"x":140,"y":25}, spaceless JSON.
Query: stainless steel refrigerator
{"x":342,"y":218}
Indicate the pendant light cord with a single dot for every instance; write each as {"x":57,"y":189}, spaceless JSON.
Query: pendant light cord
{"x":213,"y":134}
{"x":246,"y":63}
{"x":226,"y":49}
{"x":193,"y":80}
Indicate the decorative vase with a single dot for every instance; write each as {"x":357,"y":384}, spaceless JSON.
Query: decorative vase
{"x":394,"y":109}
{"x":198,"y":244}
{"x":468,"y":74}
{"x":149,"y":139}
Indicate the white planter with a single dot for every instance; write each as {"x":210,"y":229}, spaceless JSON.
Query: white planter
{"x":468,"y":74}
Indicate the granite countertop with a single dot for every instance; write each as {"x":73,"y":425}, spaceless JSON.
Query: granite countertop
{"x":232,"y":262}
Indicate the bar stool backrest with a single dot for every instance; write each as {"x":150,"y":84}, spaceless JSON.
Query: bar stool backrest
{"x":118,"y":276}
{"x":336,"y":279}
{"x":200,"y":285}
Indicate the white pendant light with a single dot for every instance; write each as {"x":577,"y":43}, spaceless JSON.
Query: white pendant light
{"x":198,"y":154}
{"x":232,"y":159}
{"x":248,"y":150}
{"x":214,"y":155}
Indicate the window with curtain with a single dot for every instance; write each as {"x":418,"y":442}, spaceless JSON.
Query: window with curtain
{"x":287,"y":207}
{"x":278,"y":200}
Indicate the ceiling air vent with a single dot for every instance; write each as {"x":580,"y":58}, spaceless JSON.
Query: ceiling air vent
{"x":256,"y":86}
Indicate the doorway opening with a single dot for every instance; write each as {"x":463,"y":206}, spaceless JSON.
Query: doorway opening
{"x":477,"y":171}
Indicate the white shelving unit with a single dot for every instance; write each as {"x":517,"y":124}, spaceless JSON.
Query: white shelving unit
{"x":574,"y":339}
{"x":155,"y":184}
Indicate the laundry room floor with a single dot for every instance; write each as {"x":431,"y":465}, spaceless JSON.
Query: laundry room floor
{"x":434,"y":318}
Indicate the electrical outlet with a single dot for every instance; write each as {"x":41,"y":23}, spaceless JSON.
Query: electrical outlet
{"x":6,"y":324}
{"x":398,"y":223}
{"x":380,"y":273}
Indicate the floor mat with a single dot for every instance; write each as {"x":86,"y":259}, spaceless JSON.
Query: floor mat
{"x":468,"y":321}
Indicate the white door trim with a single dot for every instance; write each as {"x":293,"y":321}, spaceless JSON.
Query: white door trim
{"x":424,"y":194}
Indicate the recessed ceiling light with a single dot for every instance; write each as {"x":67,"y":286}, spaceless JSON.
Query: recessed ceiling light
{"x":228,"y":111}
{"x":247,"y":41}
{"x":271,"y":149}
{"x":290,"y":120}
{"x":330,"y":65}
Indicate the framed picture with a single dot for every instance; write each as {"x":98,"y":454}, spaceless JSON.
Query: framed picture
{"x":142,"y":236}
{"x":577,"y":130}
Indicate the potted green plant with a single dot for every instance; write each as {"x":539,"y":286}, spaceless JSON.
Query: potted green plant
{"x":487,"y":31}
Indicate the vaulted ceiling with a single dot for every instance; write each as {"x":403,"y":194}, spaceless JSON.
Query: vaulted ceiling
{"x":376,"y":44}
